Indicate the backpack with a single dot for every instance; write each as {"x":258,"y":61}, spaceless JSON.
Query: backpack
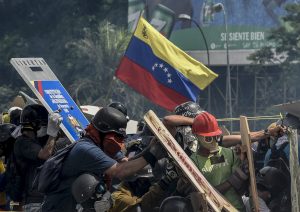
{"x":47,"y":176}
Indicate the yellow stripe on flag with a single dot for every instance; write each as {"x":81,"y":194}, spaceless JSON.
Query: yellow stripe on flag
{"x":192,"y":69}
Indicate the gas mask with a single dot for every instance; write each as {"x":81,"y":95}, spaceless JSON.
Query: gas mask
{"x":186,"y":138}
{"x":209,"y":143}
{"x":41,"y":132}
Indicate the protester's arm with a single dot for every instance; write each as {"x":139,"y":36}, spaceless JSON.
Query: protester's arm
{"x":232,"y":140}
{"x":177,"y":120}
{"x":54,"y":121}
{"x":150,"y":155}
{"x":47,"y":150}
{"x":262,"y":134}
{"x":172,"y":121}
{"x":122,"y":170}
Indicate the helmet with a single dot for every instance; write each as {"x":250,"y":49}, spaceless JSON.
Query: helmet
{"x":5,"y":131}
{"x":12,"y":109}
{"x":84,"y":187}
{"x":176,"y":204}
{"x":15,"y":116}
{"x":120,"y":107}
{"x":109,"y":119}
{"x":206,"y":124}
{"x":272,"y":179}
{"x":188,"y":109}
{"x":34,"y":116}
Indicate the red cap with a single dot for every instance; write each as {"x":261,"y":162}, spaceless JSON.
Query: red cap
{"x":206,"y":125}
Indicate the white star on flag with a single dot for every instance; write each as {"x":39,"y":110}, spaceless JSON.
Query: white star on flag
{"x":169,"y":81}
{"x":169,"y":75}
{"x":166,"y":70}
{"x":153,"y":68}
{"x":155,"y":65}
{"x":161,"y":65}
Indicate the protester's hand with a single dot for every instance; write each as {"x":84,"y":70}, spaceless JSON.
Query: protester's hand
{"x":169,"y":176}
{"x":154,"y":152}
{"x":156,"y":149}
{"x":54,"y":120}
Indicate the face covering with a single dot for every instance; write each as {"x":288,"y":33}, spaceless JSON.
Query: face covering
{"x":112,"y":144}
{"x":41,"y":132}
{"x":211,"y":145}
{"x":189,"y":140}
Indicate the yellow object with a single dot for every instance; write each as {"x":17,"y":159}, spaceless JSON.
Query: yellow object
{"x":5,"y":118}
{"x":2,"y":167}
{"x":192,"y":69}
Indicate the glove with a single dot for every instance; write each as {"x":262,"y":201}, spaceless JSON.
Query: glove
{"x":104,"y":204}
{"x":169,"y":176}
{"x":154,"y":152}
{"x":54,"y":120}
{"x":238,"y":179}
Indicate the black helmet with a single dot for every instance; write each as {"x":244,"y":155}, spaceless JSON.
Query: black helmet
{"x":188,"y":109}
{"x":272,"y":179}
{"x":14,"y":114}
{"x":84,"y":187}
{"x":5,"y":131}
{"x":119,"y":106}
{"x":176,"y":204}
{"x":109,"y":119}
{"x":34,"y":116}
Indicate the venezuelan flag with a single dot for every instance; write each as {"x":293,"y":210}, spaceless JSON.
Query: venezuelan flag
{"x":159,"y":70}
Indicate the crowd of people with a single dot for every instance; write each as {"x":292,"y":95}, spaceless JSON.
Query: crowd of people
{"x":107,"y":170}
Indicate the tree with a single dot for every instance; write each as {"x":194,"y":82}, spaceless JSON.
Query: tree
{"x":284,"y":57}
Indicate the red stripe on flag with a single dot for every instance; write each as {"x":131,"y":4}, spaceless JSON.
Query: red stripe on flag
{"x":40,"y":88}
{"x":143,"y":82}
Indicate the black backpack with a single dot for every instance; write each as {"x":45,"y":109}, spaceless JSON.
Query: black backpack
{"x":47,"y":176}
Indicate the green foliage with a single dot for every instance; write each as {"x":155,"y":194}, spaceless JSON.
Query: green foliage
{"x":82,"y":41}
{"x":284,"y":58}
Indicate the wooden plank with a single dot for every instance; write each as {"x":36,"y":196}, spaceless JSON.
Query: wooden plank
{"x":294,"y":170}
{"x":215,"y":200}
{"x":246,"y":143}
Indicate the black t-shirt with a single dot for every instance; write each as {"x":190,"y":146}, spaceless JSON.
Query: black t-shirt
{"x":26,"y":151}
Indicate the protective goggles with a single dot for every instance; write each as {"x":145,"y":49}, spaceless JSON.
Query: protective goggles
{"x":209,"y":139}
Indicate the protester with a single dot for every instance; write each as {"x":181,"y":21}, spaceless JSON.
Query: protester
{"x":6,"y":149}
{"x":273,"y":188}
{"x":34,"y":146}
{"x":220,"y":166}
{"x":173,"y":121}
{"x":90,"y":155}
{"x":146,"y":189}
{"x":279,"y":153}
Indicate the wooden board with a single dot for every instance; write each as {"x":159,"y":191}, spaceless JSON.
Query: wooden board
{"x":246,"y":143}
{"x":215,"y":200}
{"x":295,"y":172}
